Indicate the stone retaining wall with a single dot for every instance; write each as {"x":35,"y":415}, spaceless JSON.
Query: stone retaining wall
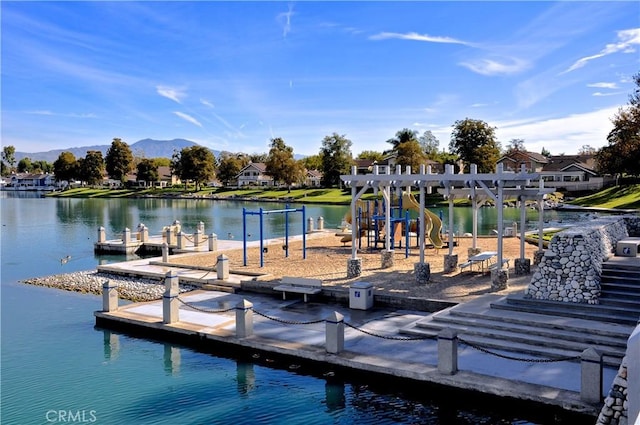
{"x":615,"y":409}
{"x":633,"y":225}
{"x":570,"y":269}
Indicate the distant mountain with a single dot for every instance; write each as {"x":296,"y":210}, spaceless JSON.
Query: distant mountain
{"x":148,"y":148}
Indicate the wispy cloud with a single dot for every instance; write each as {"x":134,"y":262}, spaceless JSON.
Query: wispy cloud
{"x":175,"y":94}
{"x":600,"y":94}
{"x":414,"y":36}
{"x":205,"y":102}
{"x":612,"y":86}
{"x":495,"y":67}
{"x":285,"y":19}
{"x":569,"y":132}
{"x":188,"y":118}
{"x":627,"y":39}
{"x":57,"y":114}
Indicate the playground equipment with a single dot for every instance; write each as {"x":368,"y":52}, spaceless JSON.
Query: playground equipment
{"x":261,"y":213}
{"x":370,"y":223}
{"x":432,"y":223}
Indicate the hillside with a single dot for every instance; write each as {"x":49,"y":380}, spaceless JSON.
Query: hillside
{"x":621,"y":197}
{"x":149,"y":148}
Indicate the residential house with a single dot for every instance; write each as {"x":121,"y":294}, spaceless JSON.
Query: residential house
{"x":254,"y":174}
{"x":165,"y":179}
{"x":29,"y":181}
{"x":365,"y":166}
{"x":566,"y":172}
{"x":574,"y":173}
{"x":513,"y":161}
{"x":392,"y":158}
{"x":313,"y":178}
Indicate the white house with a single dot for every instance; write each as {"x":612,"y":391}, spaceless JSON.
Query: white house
{"x":254,"y":174}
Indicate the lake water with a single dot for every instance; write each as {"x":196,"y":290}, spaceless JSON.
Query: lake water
{"x":58,"y":368}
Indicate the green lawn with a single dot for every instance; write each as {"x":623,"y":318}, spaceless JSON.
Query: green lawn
{"x":614,"y":197}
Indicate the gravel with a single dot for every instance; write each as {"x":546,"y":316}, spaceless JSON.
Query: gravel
{"x":90,"y":282}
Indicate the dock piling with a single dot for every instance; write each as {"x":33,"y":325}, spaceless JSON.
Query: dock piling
{"x":448,"y":351}
{"x":109,"y":296}
{"x":591,"y":376}
{"x":244,"y":319}
{"x":334,"y":326}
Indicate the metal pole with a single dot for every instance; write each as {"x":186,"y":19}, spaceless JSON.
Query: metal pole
{"x":244,"y":235}
{"x":286,"y":231}
{"x":261,"y":241}
{"x":304,"y":233}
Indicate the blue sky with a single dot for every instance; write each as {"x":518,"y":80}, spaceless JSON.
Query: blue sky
{"x":233,"y":75}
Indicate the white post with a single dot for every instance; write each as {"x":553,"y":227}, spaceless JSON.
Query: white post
{"x":448,"y":351}
{"x":222,"y":267}
{"x":591,"y":376}
{"x":165,"y":252}
{"x":334,"y":327}
{"x":244,"y":319}
{"x":213,"y":242}
{"x":109,"y":296}
{"x":126,"y":236}
{"x":102,"y":236}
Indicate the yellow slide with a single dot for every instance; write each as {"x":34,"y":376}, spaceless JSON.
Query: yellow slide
{"x":433,"y":224}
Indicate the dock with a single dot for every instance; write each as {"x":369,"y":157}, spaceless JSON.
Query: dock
{"x":294,"y":331}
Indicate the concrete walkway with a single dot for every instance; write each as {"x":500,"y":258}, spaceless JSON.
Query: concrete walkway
{"x":372,"y":343}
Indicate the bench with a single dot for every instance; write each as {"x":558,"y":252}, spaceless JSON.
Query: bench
{"x":299,"y":285}
{"x":465,"y":265}
{"x":494,"y":266}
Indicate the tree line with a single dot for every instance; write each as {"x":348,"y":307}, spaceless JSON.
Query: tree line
{"x":472,"y":141}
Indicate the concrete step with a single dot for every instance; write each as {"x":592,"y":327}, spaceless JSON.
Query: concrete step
{"x":620,"y":298}
{"x":516,"y":349}
{"x":627,"y":288}
{"x":630,"y":280}
{"x":618,"y":265}
{"x":541,"y":335}
{"x":599,"y":313}
{"x":525,"y":333}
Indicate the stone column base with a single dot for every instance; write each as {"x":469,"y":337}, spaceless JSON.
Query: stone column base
{"x":537,"y":257}
{"x":386,"y":259}
{"x":422,"y":272}
{"x":450,"y":263}
{"x":522,"y":266}
{"x":473,"y":251}
{"x":499,"y":279}
{"x":354,"y":267}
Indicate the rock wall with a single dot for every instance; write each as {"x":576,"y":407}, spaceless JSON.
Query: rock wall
{"x":614,"y":411}
{"x":570,"y":269}
{"x":633,"y":225}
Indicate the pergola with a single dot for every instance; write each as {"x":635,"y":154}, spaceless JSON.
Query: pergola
{"x":477,"y":187}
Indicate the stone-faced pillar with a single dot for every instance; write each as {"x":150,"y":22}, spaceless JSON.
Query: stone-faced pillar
{"x":522,"y":266}
{"x":450,"y":263}
{"x":537,"y":257}
{"x":472,"y":251}
{"x":386,"y":258}
{"x":422,"y":272}
{"x":499,"y":279}
{"x":354,"y":267}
